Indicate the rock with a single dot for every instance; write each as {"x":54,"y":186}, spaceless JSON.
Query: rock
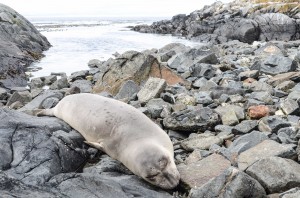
{"x":20,"y":45}
{"x":37,"y":102}
{"x":85,"y":86}
{"x":203,"y":98}
{"x":94,"y":63}
{"x":24,"y":97}
{"x":203,"y":84}
{"x":200,"y":141}
{"x":272,"y":124}
{"x":104,"y":185}
{"x":249,"y":74}
{"x":3,"y":94}
{"x":276,"y":26}
{"x":127,"y":90}
{"x":267,"y":148}
{"x":79,"y":75}
{"x":197,"y":174}
{"x":292,"y":193}
{"x":192,"y":120}
{"x":38,"y":148}
{"x":50,"y":102}
{"x":246,"y":126}
{"x":262,"y":96}
{"x":36,"y":83}
{"x":168,"y":97}
{"x":290,"y":106}
{"x":285,"y":86}
{"x":60,"y":84}
{"x":202,"y":70}
{"x":231,"y":183}
{"x":257,"y":112}
{"x":275,"y":64}
{"x":280,"y":78}
{"x":276,"y":174}
{"x":152,"y":89}
{"x":50,"y":79}
{"x":230,"y":114}
{"x":16,"y":105}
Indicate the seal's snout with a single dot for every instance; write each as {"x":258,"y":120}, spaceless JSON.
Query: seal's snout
{"x":172,"y":178}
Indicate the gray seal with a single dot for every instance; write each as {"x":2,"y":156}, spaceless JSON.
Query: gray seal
{"x":124,"y":133}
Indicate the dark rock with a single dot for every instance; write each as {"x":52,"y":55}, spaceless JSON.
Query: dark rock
{"x":79,"y":75}
{"x":203,"y":98}
{"x":192,"y":120}
{"x":50,"y":102}
{"x":168,"y":97}
{"x":20,"y":45}
{"x":202,"y":70}
{"x":275,"y":65}
{"x":272,"y":124}
{"x":231,"y":183}
{"x":276,"y":174}
{"x":249,"y":74}
{"x":85,"y":86}
{"x":127,"y":90}
{"x":60,"y":84}
{"x":244,"y":127}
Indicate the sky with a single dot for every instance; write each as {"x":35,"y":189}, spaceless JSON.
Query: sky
{"x":110,"y":8}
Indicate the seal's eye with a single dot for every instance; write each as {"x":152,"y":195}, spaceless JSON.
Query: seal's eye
{"x":163,"y":162}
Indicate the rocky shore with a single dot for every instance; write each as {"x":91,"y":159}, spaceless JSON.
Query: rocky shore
{"x":230,"y":109}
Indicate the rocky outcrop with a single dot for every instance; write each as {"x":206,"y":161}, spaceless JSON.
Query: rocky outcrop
{"x":20,"y":45}
{"x":246,"y":21}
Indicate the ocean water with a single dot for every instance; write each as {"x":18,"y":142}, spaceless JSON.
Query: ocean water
{"x":75,"y":41}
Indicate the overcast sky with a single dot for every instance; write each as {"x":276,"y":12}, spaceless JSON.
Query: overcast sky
{"x":140,"y":8}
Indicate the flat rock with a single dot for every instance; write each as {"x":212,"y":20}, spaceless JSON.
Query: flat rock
{"x":267,"y":148}
{"x":127,"y":90}
{"x":244,"y":127}
{"x":192,"y":120}
{"x":272,"y":124}
{"x":200,"y":141}
{"x":276,"y":174}
{"x":85,"y":86}
{"x":197,"y":174}
{"x":231,"y":183}
{"x":152,"y":89}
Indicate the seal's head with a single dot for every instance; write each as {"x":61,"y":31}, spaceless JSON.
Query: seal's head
{"x":156,"y":165}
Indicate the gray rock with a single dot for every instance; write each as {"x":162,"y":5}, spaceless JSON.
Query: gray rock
{"x":202,"y":70}
{"x":192,"y":120}
{"x":290,"y":106}
{"x":168,"y":97}
{"x":24,"y":97}
{"x":275,"y":64}
{"x":231,"y":183}
{"x":276,"y":174}
{"x":267,"y":148}
{"x":50,"y":102}
{"x":200,"y":141}
{"x":20,"y":45}
{"x":50,"y":79}
{"x":246,"y":126}
{"x":37,"y":83}
{"x":249,"y":74}
{"x":3,"y":94}
{"x":127,"y":90}
{"x":85,"y":86}
{"x":152,"y":89}
{"x":203,"y":98}
{"x":262,"y":96}
{"x":37,"y":102}
{"x":196,"y":174}
{"x":292,"y":193}
{"x":230,"y":114}
{"x":272,"y":124}
{"x":60,"y":84}
{"x":203,"y":84}
{"x":79,"y":75}
{"x":94,"y":63}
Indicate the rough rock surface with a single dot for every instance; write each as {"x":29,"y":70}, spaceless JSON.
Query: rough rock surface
{"x":20,"y":45}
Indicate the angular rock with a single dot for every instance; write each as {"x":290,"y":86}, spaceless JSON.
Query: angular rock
{"x":231,"y":183}
{"x":94,"y":63}
{"x":203,"y":98}
{"x":192,"y":120}
{"x":152,"y":89}
{"x":290,"y":107}
{"x":276,"y":174}
{"x":272,"y":124}
{"x":267,"y":148}
{"x":262,"y":96}
{"x":257,"y":112}
{"x":280,"y":78}
{"x":244,"y":127}
{"x":85,"y":86}
{"x":24,"y":97}
{"x":127,"y":90}
{"x":200,"y":141}
{"x":79,"y":75}
{"x":60,"y":84}
{"x":230,"y":114}
{"x":202,"y":70}
{"x":197,"y":174}
{"x":249,"y":74}
{"x":36,"y":83}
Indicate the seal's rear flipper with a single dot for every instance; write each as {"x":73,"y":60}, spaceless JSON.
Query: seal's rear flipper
{"x":43,"y":112}
{"x":96,"y":145}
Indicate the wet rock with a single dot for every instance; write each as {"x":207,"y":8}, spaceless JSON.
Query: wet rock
{"x":152,"y":89}
{"x":290,"y":107}
{"x":246,"y":126}
{"x":276,"y":174}
{"x":197,"y":174}
{"x":200,"y":141}
{"x":267,"y":148}
{"x":257,"y":112}
{"x":192,"y":120}
{"x":127,"y":90}
{"x":272,"y":124}
{"x":85,"y":86}
{"x":231,"y":183}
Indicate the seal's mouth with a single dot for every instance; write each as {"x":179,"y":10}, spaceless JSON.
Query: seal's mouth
{"x":167,"y":180}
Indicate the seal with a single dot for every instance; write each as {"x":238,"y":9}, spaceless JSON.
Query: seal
{"x":124,"y":133}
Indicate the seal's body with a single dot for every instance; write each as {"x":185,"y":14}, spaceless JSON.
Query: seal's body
{"x":124,"y":133}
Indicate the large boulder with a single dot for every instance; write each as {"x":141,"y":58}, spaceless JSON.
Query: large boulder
{"x":20,"y":45}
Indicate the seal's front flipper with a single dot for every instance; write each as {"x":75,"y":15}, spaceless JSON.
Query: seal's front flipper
{"x":43,"y":112}
{"x":96,"y":145}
